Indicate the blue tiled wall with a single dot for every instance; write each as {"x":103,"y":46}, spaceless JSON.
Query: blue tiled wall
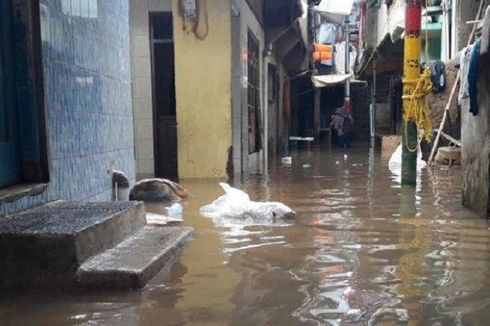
{"x":86,"y":60}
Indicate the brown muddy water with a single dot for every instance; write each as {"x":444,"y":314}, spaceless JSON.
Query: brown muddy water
{"x":362,"y":251}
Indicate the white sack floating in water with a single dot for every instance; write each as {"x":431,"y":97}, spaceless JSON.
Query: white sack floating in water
{"x":235,"y":206}
{"x":395,"y":163}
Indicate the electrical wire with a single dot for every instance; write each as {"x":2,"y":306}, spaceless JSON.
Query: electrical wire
{"x":202,"y":7}
{"x":201,"y":11}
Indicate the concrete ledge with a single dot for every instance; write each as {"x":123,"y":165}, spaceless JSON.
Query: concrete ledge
{"x":14,"y":193}
{"x":135,"y":261}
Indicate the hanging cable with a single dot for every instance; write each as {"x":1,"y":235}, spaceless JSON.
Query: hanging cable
{"x":202,"y":9}
{"x":192,"y":24}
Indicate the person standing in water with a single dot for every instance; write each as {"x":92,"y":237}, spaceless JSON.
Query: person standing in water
{"x":342,"y":123}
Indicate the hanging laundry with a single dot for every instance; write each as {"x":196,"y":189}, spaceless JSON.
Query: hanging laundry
{"x":339,"y":58}
{"x":323,"y":53}
{"x":473,"y":78}
{"x":438,"y":72}
{"x":464,"y":66}
{"x":328,"y":33}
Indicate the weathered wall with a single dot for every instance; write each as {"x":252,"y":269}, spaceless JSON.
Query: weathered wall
{"x":87,"y":84}
{"x":476,"y":137}
{"x":203,"y":91}
{"x":467,"y":10}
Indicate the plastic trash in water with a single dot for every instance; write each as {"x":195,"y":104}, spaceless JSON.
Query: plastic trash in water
{"x":235,"y":207}
{"x":306,"y":166}
{"x":176,"y":211}
{"x":287,"y":160}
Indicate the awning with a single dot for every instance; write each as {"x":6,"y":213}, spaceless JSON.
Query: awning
{"x":342,"y":7}
{"x":332,"y":80}
{"x":329,"y":80}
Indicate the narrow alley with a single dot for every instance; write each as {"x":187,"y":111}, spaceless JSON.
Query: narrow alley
{"x":362,"y":250}
{"x":244,"y":162}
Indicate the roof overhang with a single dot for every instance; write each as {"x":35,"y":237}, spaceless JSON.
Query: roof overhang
{"x":336,"y":7}
{"x":332,"y":80}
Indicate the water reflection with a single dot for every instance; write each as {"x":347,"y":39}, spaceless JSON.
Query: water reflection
{"x":362,"y":251}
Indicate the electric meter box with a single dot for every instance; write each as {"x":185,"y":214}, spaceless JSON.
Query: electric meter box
{"x":189,"y":8}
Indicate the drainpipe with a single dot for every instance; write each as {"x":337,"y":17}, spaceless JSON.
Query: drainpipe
{"x":411,"y":74}
{"x":120,"y":186}
{"x":267,"y":58}
{"x":347,"y":103}
{"x":446,"y":31}
{"x":454,"y":28}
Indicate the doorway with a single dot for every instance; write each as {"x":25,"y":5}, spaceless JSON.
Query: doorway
{"x":10,"y":161}
{"x":164,"y":104}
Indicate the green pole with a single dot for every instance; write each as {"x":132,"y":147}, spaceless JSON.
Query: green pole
{"x":409,"y":157}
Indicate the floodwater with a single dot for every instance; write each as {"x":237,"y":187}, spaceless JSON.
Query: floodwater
{"x":362,"y":251}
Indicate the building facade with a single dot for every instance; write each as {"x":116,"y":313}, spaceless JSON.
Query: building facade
{"x":204,"y":106}
{"x":66,"y":102}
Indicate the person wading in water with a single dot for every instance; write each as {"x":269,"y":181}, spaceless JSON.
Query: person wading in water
{"x":342,"y":123}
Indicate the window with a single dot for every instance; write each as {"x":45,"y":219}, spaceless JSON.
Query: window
{"x":254,"y":121}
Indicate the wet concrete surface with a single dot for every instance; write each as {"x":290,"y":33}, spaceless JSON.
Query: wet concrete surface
{"x":362,"y":251}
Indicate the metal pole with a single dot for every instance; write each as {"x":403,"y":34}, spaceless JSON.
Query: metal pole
{"x":314,"y":17}
{"x":411,"y":74}
{"x":347,"y":64}
{"x":372,"y":109}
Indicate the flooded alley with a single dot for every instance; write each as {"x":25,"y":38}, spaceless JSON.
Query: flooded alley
{"x":361,"y":251}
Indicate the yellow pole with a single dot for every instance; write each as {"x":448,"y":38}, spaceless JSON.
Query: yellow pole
{"x":411,"y":74}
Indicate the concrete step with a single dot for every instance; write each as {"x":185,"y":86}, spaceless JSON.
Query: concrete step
{"x":45,"y":246}
{"x":136,"y":260}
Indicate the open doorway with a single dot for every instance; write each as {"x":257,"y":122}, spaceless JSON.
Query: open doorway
{"x":164,"y":106}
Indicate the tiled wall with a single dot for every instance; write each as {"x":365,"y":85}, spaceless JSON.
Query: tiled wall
{"x":141,"y":67}
{"x":86,"y":61}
